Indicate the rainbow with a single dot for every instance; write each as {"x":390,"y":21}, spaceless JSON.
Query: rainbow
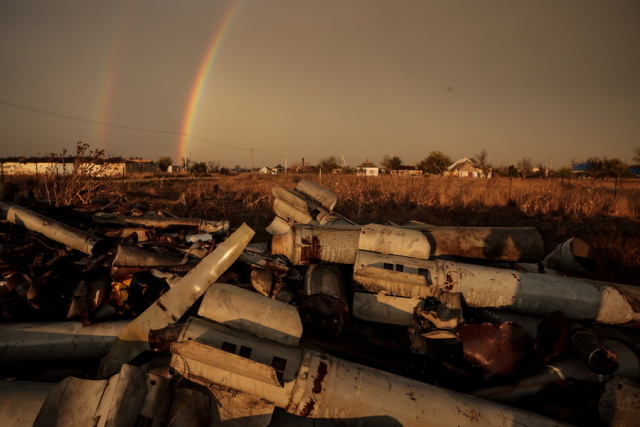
{"x":107,"y":81}
{"x":202,"y":74}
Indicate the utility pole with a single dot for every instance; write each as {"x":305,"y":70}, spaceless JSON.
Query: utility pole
{"x":185,"y":152}
{"x":286,"y":167}
{"x":252,"y":160}
{"x":550,"y":164}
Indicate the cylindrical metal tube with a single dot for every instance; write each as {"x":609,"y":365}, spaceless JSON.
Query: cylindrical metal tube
{"x":218,"y":228}
{"x":304,"y":244}
{"x":394,"y":240}
{"x":325,"y":309}
{"x":252,"y":312}
{"x":61,"y":233}
{"x":316,"y":192}
{"x":532,"y":293}
{"x":557,"y":371}
{"x":318,"y":385}
{"x":599,"y":358}
{"x":573,"y":256}
{"x":495,"y":243}
{"x":132,"y":256}
{"x":31,"y":342}
{"x":312,"y":243}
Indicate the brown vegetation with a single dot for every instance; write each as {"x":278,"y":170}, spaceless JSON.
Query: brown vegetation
{"x":595,"y":210}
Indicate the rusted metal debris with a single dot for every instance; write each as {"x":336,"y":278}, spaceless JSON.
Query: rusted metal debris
{"x":161,"y":320}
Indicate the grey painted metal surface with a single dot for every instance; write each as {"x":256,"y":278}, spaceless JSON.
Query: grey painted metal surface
{"x":385,"y":308}
{"x":572,"y":256}
{"x":49,"y":341}
{"x":20,"y":402}
{"x":531,"y":293}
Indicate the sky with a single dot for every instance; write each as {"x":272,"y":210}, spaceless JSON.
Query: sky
{"x":267,"y":82}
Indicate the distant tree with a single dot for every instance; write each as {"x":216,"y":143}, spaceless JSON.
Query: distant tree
{"x":563,"y":172}
{"x":330,"y":163}
{"x":349,"y":170}
{"x":602,"y":168}
{"x":481,"y":161}
{"x":616,"y":167}
{"x":164,"y":162}
{"x":198,"y":167}
{"x":525,"y":167}
{"x":390,"y":163}
{"x":636,"y":155}
{"x":213,"y":167}
{"x":435,"y":163}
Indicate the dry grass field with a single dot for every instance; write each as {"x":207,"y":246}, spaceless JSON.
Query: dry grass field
{"x":605,"y":216}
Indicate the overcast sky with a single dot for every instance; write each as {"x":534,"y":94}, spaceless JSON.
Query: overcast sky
{"x":543,"y":79}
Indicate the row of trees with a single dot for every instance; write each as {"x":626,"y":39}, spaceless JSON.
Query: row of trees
{"x":437,"y":162}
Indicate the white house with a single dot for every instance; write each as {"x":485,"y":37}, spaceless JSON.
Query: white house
{"x":464,"y":168}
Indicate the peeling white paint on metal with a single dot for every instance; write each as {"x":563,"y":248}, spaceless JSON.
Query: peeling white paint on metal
{"x":252,"y":312}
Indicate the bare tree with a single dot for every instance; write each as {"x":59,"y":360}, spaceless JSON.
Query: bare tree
{"x":330,"y":163}
{"x":213,"y":166}
{"x":636,"y":155}
{"x":525,"y":167}
{"x":481,"y":160}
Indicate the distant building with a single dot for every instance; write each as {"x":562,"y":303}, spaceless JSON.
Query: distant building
{"x":581,"y":169}
{"x":110,"y":167}
{"x":464,"y":168}
{"x":140,"y":166}
{"x":406,"y":171}
{"x":367,"y":168}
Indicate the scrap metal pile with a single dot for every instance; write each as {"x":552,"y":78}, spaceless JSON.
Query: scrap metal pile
{"x":180,"y":321}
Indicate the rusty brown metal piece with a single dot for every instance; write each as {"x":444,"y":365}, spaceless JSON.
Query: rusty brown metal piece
{"x":494,"y":243}
{"x":219,"y":228}
{"x":131,"y":256}
{"x":498,"y":348}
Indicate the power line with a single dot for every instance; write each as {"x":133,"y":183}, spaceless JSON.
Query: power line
{"x":80,"y":119}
